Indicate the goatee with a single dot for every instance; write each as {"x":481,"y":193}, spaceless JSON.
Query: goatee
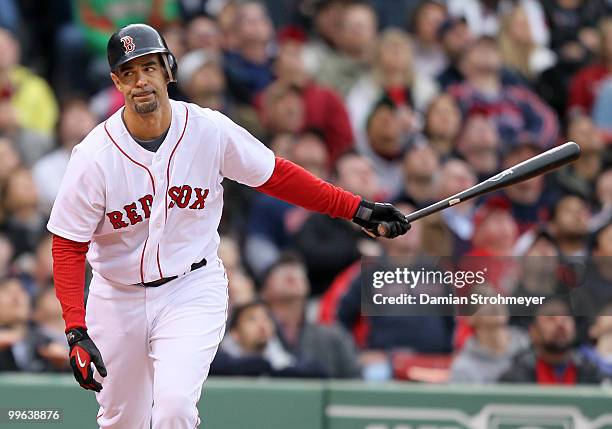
{"x":148,"y":107}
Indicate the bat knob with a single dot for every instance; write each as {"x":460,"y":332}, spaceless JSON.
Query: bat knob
{"x":383,"y":230}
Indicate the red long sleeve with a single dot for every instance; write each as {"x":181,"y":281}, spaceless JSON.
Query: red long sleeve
{"x":69,"y":279}
{"x":291,"y":183}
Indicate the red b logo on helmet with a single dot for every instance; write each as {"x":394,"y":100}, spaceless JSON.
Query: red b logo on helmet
{"x":128,"y":44}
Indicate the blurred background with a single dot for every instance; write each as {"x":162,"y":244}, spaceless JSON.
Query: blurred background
{"x":404,"y":101}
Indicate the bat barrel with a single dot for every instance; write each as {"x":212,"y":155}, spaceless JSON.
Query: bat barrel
{"x":525,"y":170}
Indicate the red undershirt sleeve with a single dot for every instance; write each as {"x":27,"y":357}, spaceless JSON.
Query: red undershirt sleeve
{"x":69,"y":279}
{"x":291,"y":183}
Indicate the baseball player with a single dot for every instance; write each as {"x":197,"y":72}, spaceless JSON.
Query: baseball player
{"x":142,"y":199}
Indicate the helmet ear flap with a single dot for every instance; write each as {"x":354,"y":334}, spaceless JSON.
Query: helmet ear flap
{"x":171,"y":66}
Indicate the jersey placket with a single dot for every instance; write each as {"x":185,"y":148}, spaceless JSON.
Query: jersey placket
{"x":161,"y":168}
{"x":157,"y":222}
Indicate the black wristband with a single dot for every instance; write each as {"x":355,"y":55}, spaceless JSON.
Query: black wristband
{"x":75,"y":335}
{"x":364,"y":210}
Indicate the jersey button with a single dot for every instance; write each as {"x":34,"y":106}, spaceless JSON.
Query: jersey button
{"x":158,"y":225}
{"x":158,"y":157}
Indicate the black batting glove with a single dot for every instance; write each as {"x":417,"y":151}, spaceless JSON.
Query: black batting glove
{"x":83,"y":352}
{"x":381,"y":219}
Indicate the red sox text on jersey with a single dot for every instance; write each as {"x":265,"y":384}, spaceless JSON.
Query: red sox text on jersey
{"x":181,"y":196}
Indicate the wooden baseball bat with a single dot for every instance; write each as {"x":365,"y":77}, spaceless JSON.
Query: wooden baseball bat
{"x":539,"y":164}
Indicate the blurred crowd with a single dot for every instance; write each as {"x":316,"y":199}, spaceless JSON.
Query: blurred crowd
{"x":407,"y":101}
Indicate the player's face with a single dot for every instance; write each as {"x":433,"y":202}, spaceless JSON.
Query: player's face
{"x":142,"y":82}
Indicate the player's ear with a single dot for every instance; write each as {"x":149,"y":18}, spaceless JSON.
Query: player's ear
{"x":116,"y":81}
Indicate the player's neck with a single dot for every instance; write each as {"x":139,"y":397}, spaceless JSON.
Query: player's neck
{"x":150,"y":125}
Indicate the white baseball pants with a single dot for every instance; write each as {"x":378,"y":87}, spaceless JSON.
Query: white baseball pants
{"x":157,"y":344}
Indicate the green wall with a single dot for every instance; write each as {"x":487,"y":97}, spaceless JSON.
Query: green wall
{"x":290,"y":404}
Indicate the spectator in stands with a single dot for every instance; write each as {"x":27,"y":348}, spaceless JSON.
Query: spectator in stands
{"x":540,"y":265}
{"x":10,"y":16}
{"x":174,"y":35}
{"x":6,"y":256}
{"x":331,"y":245}
{"x":48,"y":334}
{"x":202,"y":80}
{"x":528,"y":201}
{"x":393,"y":75}
{"x":24,"y":225}
{"x":420,"y":168}
{"x":519,"y":50}
{"x":454,"y":36}
{"x":389,"y":133}
{"x":16,"y":353}
{"x":86,"y":39}
{"x":429,"y":58}
{"x":252,"y":348}
{"x":328,"y":16}
{"x":76,"y":122}
{"x":456,"y":176}
{"x":31,"y":98}
{"x":241,"y":289}
{"x":585,"y":84}
{"x":42,"y":272}
{"x":569,"y":225}
{"x":552,"y":358}
{"x":271,"y":221}
{"x":229,"y":253}
{"x":603,"y":197}
{"x":241,"y":286}
{"x":495,"y":230}
{"x":603,"y":191}
{"x":356,"y":40}
{"x":483,"y":16}
{"x":574,"y":22}
{"x":579,"y":177}
{"x":554,"y":83}
{"x":594,"y":291}
{"x":480,"y":146}
{"x":30,"y":145}
{"x":324,"y":109}
{"x":442,"y":124}
{"x":281,"y":145}
{"x":309,"y":150}
{"x":440,"y":240}
{"x":227,"y":19}
{"x":203,"y":33}
{"x":248,"y":68}
{"x":489,"y":352}
{"x":601,"y":109}
{"x":516,"y":111}
{"x":10,"y":161}
{"x":493,"y":240}
{"x":381,"y":334}
{"x":283,"y":109}
{"x":600,"y":352}
{"x":285,"y":290}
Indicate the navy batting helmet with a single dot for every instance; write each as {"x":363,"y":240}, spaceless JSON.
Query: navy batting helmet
{"x":136,"y":40}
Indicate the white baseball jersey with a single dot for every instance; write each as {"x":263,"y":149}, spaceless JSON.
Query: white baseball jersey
{"x":151,"y":215}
